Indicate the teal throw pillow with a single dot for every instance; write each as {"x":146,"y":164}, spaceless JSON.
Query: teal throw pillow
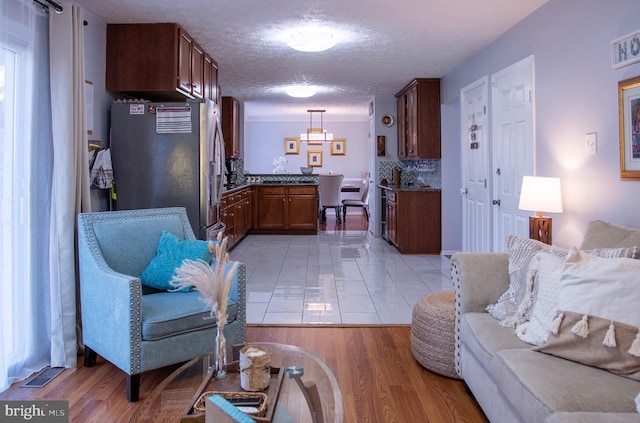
{"x":170,"y":254}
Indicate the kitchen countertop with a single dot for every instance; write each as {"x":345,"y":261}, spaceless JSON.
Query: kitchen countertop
{"x":238,"y":187}
{"x":413,"y":188}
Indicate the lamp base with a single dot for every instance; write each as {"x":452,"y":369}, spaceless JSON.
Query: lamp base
{"x":540,"y":229}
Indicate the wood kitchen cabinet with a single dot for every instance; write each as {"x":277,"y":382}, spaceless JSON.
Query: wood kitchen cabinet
{"x":289,"y":209}
{"x":413,"y":221}
{"x":392,"y":219}
{"x":419,"y":120}
{"x":231,"y":127}
{"x":190,"y":66}
{"x":158,"y":62}
{"x":210,"y":79}
{"x":235,"y":213}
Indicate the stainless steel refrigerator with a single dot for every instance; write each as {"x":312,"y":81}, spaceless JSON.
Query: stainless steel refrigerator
{"x":169,"y":154}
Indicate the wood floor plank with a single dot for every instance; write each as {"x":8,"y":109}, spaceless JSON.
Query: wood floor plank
{"x":378,"y":376}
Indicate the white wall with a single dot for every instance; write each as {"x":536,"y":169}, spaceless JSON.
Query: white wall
{"x":576,"y":93}
{"x":383,"y":105}
{"x":263,"y":141}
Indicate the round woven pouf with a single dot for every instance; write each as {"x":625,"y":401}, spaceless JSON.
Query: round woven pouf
{"x":432,"y":333}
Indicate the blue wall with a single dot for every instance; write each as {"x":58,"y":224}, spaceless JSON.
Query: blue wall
{"x":576,"y":92}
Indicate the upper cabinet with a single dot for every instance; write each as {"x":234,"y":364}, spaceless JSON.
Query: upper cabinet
{"x":158,"y":62}
{"x":211,"y":79}
{"x":231,"y":127}
{"x":419,"y":119}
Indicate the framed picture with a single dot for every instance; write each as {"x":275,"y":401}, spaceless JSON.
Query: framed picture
{"x":338,"y":147}
{"x":314,"y":158}
{"x":629,"y":111}
{"x":291,"y":146}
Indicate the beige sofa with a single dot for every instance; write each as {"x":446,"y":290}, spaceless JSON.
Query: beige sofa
{"x":510,"y":381}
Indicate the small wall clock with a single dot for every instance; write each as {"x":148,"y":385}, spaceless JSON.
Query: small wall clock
{"x":387,"y":120}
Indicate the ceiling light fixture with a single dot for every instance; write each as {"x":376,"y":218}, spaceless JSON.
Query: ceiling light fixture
{"x":316,"y":134}
{"x":301,"y":91}
{"x":311,"y":40}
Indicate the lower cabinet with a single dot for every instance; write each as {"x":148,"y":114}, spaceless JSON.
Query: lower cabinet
{"x":285,"y":209}
{"x":413,"y":221}
{"x":235,"y":213}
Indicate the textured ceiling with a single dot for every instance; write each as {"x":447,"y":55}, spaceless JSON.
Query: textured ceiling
{"x":382,"y":44}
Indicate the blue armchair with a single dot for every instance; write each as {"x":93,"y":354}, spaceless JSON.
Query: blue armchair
{"x":132,"y":326}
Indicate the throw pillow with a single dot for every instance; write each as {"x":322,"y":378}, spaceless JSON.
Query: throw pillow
{"x":598,"y":323}
{"x":521,"y":251}
{"x":547,"y":269}
{"x":542,"y":291}
{"x":590,"y":350}
{"x":169,"y":256}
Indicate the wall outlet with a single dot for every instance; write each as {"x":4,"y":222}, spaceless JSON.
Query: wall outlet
{"x":591,"y":143}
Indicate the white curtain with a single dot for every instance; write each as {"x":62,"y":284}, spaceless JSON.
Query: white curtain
{"x":43,"y":185}
{"x":70,"y":180}
{"x":26,"y":160}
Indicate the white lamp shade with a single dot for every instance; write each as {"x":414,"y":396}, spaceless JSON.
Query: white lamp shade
{"x":541,"y":194}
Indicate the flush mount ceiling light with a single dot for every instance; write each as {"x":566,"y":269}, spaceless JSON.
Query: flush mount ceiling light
{"x":311,"y":40}
{"x":301,"y":91}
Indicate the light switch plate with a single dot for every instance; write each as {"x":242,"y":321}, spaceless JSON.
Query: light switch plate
{"x":591,"y":143}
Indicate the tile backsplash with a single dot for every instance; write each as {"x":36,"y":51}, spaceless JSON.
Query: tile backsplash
{"x":414,"y":172}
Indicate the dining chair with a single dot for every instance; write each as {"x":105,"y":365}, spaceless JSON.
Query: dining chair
{"x":363,"y":203}
{"x":329,"y":187}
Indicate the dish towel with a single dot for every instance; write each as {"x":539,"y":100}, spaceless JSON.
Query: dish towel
{"x":102,"y":171}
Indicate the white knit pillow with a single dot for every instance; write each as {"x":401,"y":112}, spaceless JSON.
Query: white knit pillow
{"x":521,"y":251}
{"x":547,"y":269}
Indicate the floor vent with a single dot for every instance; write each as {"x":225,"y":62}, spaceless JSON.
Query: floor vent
{"x":42,"y":378}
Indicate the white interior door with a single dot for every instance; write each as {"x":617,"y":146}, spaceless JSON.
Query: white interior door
{"x":475,"y":191}
{"x":513,"y":127}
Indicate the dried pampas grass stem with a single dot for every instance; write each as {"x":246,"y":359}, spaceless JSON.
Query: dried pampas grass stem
{"x":210,"y":281}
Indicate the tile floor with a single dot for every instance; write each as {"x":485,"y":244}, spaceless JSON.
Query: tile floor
{"x":335,"y":277}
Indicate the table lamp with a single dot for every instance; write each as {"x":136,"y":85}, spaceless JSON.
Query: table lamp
{"x":540,"y":194}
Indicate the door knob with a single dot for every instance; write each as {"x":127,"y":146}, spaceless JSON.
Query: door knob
{"x":496,"y":202}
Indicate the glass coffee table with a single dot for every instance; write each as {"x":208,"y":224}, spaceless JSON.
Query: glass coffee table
{"x":168,"y":401}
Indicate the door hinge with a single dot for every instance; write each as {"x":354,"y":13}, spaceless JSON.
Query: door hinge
{"x":484,"y":108}
{"x":498,"y":171}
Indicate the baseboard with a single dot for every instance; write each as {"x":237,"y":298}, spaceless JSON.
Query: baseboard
{"x":326,"y":325}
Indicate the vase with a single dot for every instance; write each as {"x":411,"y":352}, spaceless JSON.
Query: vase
{"x":221,"y":355}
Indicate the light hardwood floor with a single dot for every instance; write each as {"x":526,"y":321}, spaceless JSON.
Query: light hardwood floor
{"x":379,"y":379}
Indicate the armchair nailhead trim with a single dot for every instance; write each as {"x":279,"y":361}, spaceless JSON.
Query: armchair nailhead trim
{"x":455,"y":278}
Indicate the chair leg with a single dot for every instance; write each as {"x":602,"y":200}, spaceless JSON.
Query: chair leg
{"x":133,"y":387}
{"x":344,"y":213}
{"x":366,"y":214}
{"x":90,"y":357}
{"x":338,"y":217}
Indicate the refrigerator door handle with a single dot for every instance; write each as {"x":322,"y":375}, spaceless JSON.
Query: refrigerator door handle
{"x":219,"y":138}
